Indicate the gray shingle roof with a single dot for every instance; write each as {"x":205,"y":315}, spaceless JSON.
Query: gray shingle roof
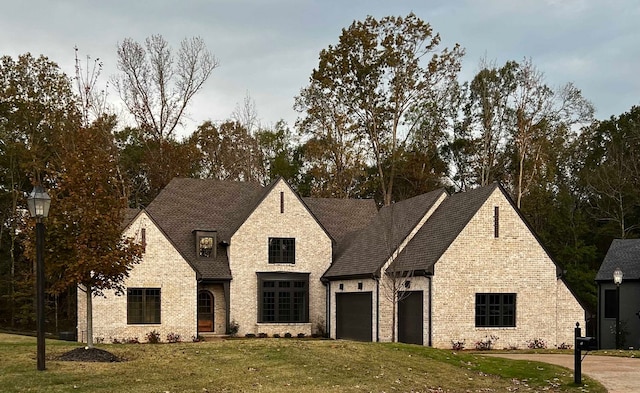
{"x":625,"y":254}
{"x":441,"y":229}
{"x":365,"y":252}
{"x":185,"y":205}
{"x":341,"y":217}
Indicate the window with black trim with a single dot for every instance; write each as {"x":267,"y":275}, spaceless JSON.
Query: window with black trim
{"x":282,"y":250}
{"x":610,"y":303}
{"x":495,"y":309}
{"x":283,"y":297}
{"x":143,"y":305}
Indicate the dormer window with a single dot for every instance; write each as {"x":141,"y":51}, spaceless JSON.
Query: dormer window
{"x":205,"y":244}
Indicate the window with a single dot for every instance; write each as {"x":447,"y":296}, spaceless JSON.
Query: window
{"x":496,"y":221}
{"x":205,"y":244}
{"x":283,"y":297}
{"x":610,"y":303}
{"x":495,"y":309}
{"x":143,"y":305}
{"x":205,"y":247}
{"x":282,"y":250}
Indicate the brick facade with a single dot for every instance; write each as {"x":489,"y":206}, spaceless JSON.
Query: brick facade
{"x":248,"y":254}
{"x":162,"y":267}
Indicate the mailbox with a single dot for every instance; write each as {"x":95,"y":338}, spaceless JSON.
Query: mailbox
{"x":586,"y":343}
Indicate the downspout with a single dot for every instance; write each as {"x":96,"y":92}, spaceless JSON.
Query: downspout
{"x":328,"y":312}
{"x":377,"y":308}
{"x":227,"y":296}
{"x":429,"y":341}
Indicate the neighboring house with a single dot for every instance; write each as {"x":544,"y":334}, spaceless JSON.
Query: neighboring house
{"x":218,"y":253}
{"x":625,"y":255}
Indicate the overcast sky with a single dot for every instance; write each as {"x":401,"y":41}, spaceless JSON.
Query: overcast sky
{"x":268,"y":48}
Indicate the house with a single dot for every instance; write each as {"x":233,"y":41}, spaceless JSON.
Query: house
{"x":623,"y":254}
{"x":430,"y":270}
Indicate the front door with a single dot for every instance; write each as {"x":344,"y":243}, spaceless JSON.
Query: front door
{"x":205,"y":311}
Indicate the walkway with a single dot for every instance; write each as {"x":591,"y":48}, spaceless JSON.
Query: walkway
{"x":617,"y":374}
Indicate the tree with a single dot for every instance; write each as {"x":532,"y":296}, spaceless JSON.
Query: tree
{"x":156,"y":86}
{"x":37,"y":107}
{"x":381,"y":80}
{"x":281,"y":154}
{"x":84,"y":238}
{"x":226,"y":151}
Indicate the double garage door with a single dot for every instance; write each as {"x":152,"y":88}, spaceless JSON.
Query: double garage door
{"x":354,"y":317}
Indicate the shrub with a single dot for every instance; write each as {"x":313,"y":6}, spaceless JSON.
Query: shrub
{"x":98,"y":340}
{"x":565,"y":346}
{"x":320,"y":329}
{"x":153,"y":337}
{"x":232,"y":328}
{"x":276,"y":335}
{"x":250,"y":335}
{"x":486,"y":343}
{"x":457,"y":345}
{"x":536,"y":343}
{"x":173,"y":337}
{"x":301,"y":335}
{"x":115,"y":340}
{"x":287,"y":335}
{"x":262,"y":335}
{"x":197,"y":339}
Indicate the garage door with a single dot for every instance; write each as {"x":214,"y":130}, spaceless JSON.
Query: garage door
{"x":353,"y":316}
{"x":410,"y":326}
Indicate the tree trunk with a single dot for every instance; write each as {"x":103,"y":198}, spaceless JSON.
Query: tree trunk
{"x":89,"y":317}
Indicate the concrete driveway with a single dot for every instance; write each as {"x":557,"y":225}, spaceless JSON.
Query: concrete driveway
{"x":618,"y":375}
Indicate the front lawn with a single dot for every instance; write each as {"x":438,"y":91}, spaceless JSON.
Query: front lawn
{"x":275,"y":365}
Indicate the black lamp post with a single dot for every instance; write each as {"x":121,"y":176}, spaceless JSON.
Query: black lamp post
{"x":617,"y":279}
{"x":39,"y":202}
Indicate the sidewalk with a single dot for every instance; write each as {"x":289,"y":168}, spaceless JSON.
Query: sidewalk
{"x":617,"y":374}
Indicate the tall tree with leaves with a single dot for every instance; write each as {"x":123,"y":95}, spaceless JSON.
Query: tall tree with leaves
{"x":84,"y":230}
{"x":384,"y":76}
{"x":37,"y":106}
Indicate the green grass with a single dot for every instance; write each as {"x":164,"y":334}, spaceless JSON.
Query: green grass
{"x":275,"y":365}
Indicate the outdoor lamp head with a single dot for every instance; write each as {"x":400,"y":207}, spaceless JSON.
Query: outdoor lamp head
{"x":617,"y":276}
{"x":39,"y":202}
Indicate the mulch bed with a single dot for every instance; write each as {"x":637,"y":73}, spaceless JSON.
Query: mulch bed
{"x":83,"y":354}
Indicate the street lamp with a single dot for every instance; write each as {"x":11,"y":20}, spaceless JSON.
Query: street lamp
{"x":39,"y":202}
{"x":617,"y":279}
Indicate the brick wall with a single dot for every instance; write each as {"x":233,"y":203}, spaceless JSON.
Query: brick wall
{"x":162,"y":267}
{"x":248,"y":254}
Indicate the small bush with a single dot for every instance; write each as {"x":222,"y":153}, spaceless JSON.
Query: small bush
{"x":486,"y":343}
{"x":536,"y":343}
{"x":287,"y":335}
{"x":197,"y":339}
{"x":276,"y":335}
{"x":301,"y":335}
{"x":115,"y":340}
{"x":232,"y":328}
{"x":98,"y":340}
{"x":457,"y":345}
{"x":250,"y":335}
{"x":131,"y":340}
{"x":262,"y":335}
{"x":173,"y":338}
{"x":153,"y":337}
{"x":565,"y":346}
{"x":320,"y":329}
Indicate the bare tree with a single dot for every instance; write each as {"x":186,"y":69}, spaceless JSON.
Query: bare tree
{"x":92,"y":101}
{"x":157,"y":86}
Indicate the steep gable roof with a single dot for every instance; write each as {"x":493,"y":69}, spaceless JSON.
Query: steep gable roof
{"x":441,"y":229}
{"x":185,"y":205}
{"x":364,"y":253}
{"x":625,"y":254}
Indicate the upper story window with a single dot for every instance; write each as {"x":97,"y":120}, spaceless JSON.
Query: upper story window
{"x":205,"y":244}
{"x":282,"y":250}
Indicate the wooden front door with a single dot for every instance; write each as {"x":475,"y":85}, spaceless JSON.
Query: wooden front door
{"x":205,"y":311}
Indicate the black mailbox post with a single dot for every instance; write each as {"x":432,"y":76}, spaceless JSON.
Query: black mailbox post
{"x":581,"y":344}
